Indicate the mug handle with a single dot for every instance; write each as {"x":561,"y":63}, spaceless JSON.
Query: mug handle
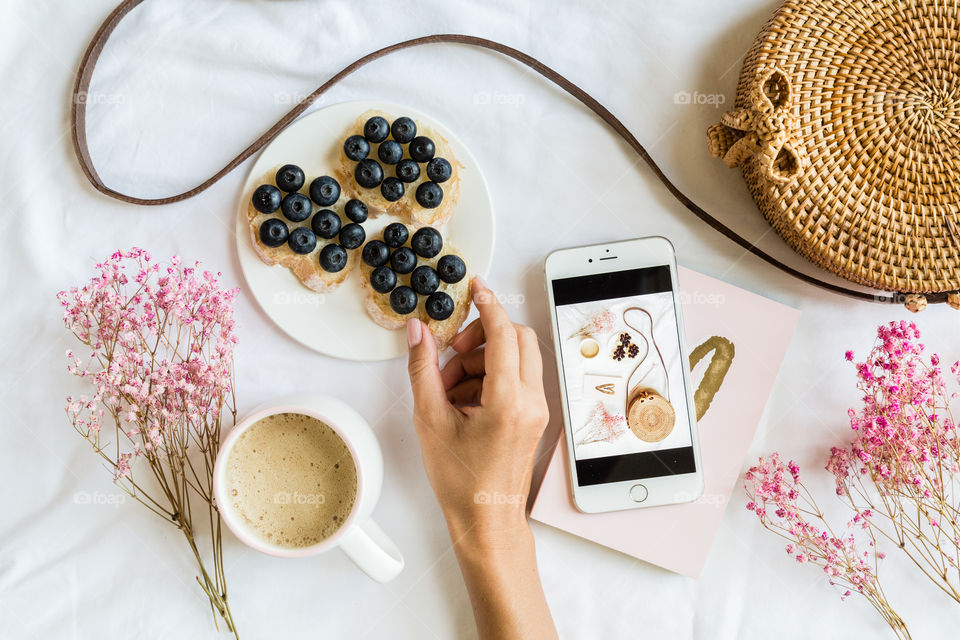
{"x":375,"y":553}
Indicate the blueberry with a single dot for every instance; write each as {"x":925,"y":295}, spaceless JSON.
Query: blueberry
{"x":403,"y":300}
{"x":424,"y":280}
{"x":296,"y":207}
{"x":368,"y":173}
{"x":403,"y":129}
{"x":391,"y":189}
{"x":324,"y":191}
{"x":266,"y":199}
{"x":451,"y":269}
{"x":290,"y":177}
{"x":422,"y":149}
{"x":356,"y":148}
{"x":325,"y":224}
{"x":356,"y":211}
{"x":429,"y":195}
{"x":426,"y":242}
{"x":302,"y":240}
{"x":395,"y":234}
{"x":403,"y":260}
{"x":333,"y":258}
{"x":376,"y":129}
{"x":439,"y":305}
{"x":273,"y":232}
{"x":408,"y":170}
{"x":352,"y":235}
{"x":439,"y":170}
{"x":376,"y":253}
{"x":383,"y":280}
{"x":390,"y":152}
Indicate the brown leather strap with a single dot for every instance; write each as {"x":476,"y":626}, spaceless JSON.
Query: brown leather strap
{"x":89,"y":62}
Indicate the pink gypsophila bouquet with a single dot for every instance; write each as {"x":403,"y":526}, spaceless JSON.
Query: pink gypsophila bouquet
{"x":903,"y":462}
{"x":899,"y":474}
{"x":597,"y":324}
{"x":160,"y":363}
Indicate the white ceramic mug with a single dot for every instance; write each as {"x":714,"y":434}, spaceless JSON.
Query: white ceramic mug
{"x":359,"y":536}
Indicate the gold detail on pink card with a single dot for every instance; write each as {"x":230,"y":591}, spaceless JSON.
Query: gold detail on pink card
{"x":723,"y":353}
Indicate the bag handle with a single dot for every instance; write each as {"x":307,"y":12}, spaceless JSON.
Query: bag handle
{"x":88,"y":63}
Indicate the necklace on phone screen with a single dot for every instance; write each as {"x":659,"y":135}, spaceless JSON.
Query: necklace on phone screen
{"x":650,"y":414}
{"x":651,"y":341}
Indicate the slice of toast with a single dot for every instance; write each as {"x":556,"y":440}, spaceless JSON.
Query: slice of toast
{"x":378,"y":304}
{"x":406,"y":208}
{"x":306,"y":267}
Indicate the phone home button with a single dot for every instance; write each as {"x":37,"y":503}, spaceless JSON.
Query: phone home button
{"x":638,"y":493}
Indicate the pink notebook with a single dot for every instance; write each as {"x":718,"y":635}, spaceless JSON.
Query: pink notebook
{"x":678,"y":537}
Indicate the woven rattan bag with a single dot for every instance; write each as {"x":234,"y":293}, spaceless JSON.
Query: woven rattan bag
{"x":846,"y":128}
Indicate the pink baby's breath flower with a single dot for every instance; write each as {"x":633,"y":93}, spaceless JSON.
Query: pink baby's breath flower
{"x":161,"y":364}
{"x":602,"y":426}
{"x":604,"y":321}
{"x":900,"y":441}
{"x":154,"y":385}
{"x":598,"y":323}
{"x":122,"y":469}
{"x":774,"y":487}
{"x":898,"y":473}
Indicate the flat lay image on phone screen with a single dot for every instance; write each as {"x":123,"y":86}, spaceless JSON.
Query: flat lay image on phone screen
{"x":630,"y":429}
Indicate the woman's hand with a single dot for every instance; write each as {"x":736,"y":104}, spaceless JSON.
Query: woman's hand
{"x":480,"y":419}
{"x":479,"y":422}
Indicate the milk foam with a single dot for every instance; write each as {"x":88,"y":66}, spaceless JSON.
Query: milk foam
{"x":291,"y":479}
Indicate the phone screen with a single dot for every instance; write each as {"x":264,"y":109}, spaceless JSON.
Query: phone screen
{"x":622,"y":371}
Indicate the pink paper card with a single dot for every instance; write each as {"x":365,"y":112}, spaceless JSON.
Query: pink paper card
{"x":724,"y":319}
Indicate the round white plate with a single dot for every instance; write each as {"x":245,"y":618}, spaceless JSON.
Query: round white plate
{"x":336,"y":323}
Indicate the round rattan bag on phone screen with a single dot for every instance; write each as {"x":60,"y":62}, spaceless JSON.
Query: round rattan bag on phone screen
{"x":846,"y":128}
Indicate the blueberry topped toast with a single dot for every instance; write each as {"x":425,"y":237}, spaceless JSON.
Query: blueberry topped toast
{"x":412,"y":273}
{"x":401,"y":168}
{"x":312,"y":230}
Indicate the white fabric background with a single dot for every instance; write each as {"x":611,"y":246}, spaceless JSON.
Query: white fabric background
{"x":185,"y":85}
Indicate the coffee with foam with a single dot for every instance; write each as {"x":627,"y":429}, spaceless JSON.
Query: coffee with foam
{"x":292,"y":480}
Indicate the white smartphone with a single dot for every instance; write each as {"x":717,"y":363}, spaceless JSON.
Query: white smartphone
{"x":628,"y":412}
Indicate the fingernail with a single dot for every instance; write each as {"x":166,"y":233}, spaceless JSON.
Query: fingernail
{"x":479,"y":284}
{"x":414,"y":332}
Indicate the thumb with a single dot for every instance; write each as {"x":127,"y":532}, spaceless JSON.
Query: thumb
{"x":429,"y":397}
